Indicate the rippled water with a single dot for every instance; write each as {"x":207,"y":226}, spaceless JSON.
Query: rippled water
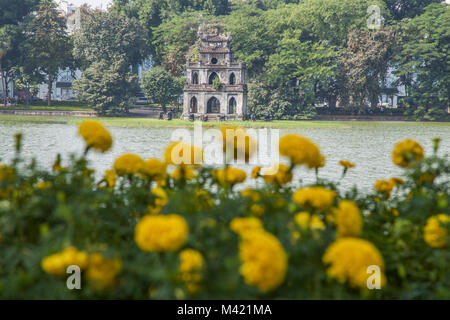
{"x":369,"y":145}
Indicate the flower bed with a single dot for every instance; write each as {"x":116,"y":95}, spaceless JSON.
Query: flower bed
{"x":155,"y":229}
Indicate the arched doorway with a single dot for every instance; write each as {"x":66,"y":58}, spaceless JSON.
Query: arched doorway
{"x":212,"y":77}
{"x":232,"y":79}
{"x":213,"y":105}
{"x":195,"y":78}
{"x":193,"y":105}
{"x":232,"y":106}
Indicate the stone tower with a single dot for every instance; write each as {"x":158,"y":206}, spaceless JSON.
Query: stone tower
{"x":202,"y":99}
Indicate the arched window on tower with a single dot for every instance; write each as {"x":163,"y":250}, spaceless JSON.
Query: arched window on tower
{"x":194,"y":77}
{"x":213,"y":105}
{"x":232,"y":79}
{"x":232,"y":106}
{"x":193,"y":105}
{"x":212,"y":77}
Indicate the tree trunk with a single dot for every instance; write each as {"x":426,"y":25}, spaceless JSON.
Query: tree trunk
{"x":164,"y":108}
{"x":27,"y":96}
{"x":5,"y":91}
{"x":49,"y":95}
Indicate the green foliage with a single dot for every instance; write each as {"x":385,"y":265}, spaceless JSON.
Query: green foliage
{"x":50,"y":46}
{"x":108,"y":86}
{"x":423,"y":61}
{"x":401,"y":9}
{"x":14,"y":12}
{"x":217,"y":84}
{"x":161,"y":87}
{"x":107,"y":35}
{"x":363,"y":67}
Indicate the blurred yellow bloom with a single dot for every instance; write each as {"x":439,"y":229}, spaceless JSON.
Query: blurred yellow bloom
{"x":250,"y":193}
{"x":264,"y":261}
{"x":230,"y":176}
{"x":110,"y":178}
{"x":203,"y":199}
{"x":44,"y":185}
{"x":435,"y":231}
{"x":384,"y":186}
{"x":348,"y":219}
{"x":406,"y":153}
{"x":426,"y":178}
{"x":255,"y":172}
{"x":238,"y":142}
{"x":95,"y":135}
{"x":154,"y":169}
{"x":161,"y":232}
{"x":183,"y":172}
{"x":317,"y":197}
{"x":128,"y":164}
{"x":56,"y":264}
{"x":397,"y":181}
{"x":179,"y":153}
{"x":257,"y":209}
{"x":282,"y":174}
{"x":241,"y":225}
{"x":160,"y":200}
{"x":346,"y":164}
{"x":349,"y":259}
{"x":301,"y":151}
{"x":305,"y":220}
{"x":102,"y":272}
{"x":190,"y":269}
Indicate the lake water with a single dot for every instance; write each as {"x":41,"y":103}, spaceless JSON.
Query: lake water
{"x":369,"y":145}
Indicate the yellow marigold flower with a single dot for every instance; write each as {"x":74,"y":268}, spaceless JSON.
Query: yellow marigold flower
{"x":102,"y":272}
{"x":301,"y":151}
{"x":242,"y":225}
{"x":238,"y":142}
{"x":406,"y":153}
{"x":203,"y":199}
{"x":349,"y":259}
{"x":190,"y":269}
{"x":264,"y":261}
{"x":128,"y":164}
{"x":56,"y":264}
{"x":436,"y":231}
{"x":384,"y":186}
{"x":160,"y":200}
{"x":179,"y":153}
{"x":7,"y":175}
{"x":95,"y":135}
{"x":426,"y":178}
{"x":348,"y":219}
{"x":110,"y":178}
{"x":250,"y":193}
{"x":397,"y":181}
{"x":317,"y":197}
{"x":257,"y":209}
{"x":161,"y":232}
{"x":44,"y":185}
{"x":183,"y":172}
{"x":230,"y":176}
{"x":281,"y":174}
{"x":255,"y":172}
{"x":307,"y":221}
{"x":346,"y":164}
{"x":154,"y":169}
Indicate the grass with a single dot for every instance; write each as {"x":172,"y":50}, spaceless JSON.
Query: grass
{"x":146,"y":122}
{"x":56,"y":106}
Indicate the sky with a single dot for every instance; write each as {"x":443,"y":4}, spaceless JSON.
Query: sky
{"x":92,"y":3}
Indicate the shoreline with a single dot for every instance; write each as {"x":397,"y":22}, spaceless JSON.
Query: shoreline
{"x":76,"y":117}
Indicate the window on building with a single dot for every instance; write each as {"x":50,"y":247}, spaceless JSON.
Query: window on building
{"x":195,"y":78}
{"x":232,"y":106}
{"x":212,"y":77}
{"x":213,"y":105}
{"x":193,"y":106}
{"x":214,"y":61}
{"x":232,"y":79}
